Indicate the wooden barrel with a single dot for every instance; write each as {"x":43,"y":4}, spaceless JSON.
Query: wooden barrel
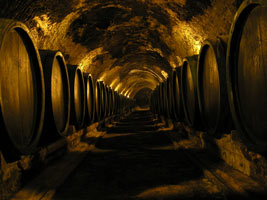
{"x":110,"y":101}
{"x":90,"y":99}
{"x":98,"y":108}
{"x":77,"y":96}
{"x":177,"y":95}
{"x":189,"y":92}
{"x":57,"y":92}
{"x":103,"y":100}
{"x":116,"y":103}
{"x":211,"y":88}
{"x":166,"y":98}
{"x":107,"y":102}
{"x":170,"y":97}
{"x":22,"y":96}
{"x":246,"y":73}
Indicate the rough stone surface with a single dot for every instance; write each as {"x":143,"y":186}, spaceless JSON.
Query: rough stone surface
{"x":229,"y":148}
{"x":129,"y":44}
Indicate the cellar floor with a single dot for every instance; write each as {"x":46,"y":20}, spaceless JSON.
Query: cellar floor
{"x":135,"y":159}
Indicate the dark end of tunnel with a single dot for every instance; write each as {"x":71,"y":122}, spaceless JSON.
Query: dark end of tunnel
{"x":142,"y":98}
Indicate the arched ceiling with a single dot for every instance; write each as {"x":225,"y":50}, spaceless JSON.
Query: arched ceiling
{"x":131,"y":45}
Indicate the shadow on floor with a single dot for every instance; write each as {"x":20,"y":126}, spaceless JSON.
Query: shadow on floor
{"x":134,"y":161}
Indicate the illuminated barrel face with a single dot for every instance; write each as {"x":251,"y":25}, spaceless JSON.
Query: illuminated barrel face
{"x":59,"y":94}
{"x":177,"y":96}
{"x":18,"y":88}
{"x":209,"y":86}
{"x":78,"y":95}
{"x":246,"y":67}
{"x":188,"y":93}
{"x":90,"y":98}
{"x":252,"y":72}
{"x":98,"y":108}
{"x":21,"y":89}
{"x":57,"y":90}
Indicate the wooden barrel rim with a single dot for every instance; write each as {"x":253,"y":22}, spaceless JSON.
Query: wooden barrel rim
{"x":166,"y":97}
{"x":110,"y":101}
{"x":98,"y":100}
{"x":81,"y":80}
{"x":237,"y":25}
{"x":184,"y":70}
{"x":107,"y":101}
{"x":60,"y":57}
{"x":91,"y":88}
{"x":74,"y":72}
{"x":223,"y":108}
{"x":113,"y":102}
{"x":176,"y":97}
{"x":49,"y":58}
{"x":24,"y":32}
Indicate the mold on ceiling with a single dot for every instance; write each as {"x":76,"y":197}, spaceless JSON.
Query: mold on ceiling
{"x":131,"y":45}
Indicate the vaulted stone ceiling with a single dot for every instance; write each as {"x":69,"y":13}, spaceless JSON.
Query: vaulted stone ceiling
{"x":131,"y":45}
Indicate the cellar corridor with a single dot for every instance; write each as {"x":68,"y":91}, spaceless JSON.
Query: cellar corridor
{"x":133,"y":99}
{"x":136,"y":159}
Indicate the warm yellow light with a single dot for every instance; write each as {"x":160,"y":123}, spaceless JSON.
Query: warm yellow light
{"x":165,"y":74}
{"x":114,"y":82}
{"x":118,"y":87}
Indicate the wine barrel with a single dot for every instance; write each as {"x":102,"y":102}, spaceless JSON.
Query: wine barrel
{"x":103,"y":100}
{"x":117,"y":102}
{"x":22,"y":97}
{"x":170,"y":97}
{"x":90,"y":99}
{"x":211,"y":88}
{"x":108,"y":102}
{"x":246,"y":73}
{"x":57,"y":92}
{"x":189,"y":92}
{"x":112,"y":102}
{"x":77,"y":96}
{"x":166,"y":98}
{"x":177,"y":95}
{"x":98,"y":108}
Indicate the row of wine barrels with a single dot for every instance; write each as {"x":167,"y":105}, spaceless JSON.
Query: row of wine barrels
{"x":109,"y":102}
{"x":177,"y":97}
{"x":224,"y":87}
{"x":40,"y":95}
